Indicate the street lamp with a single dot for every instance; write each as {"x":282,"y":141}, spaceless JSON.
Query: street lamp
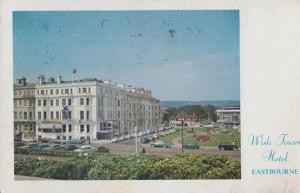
{"x":182,"y":135}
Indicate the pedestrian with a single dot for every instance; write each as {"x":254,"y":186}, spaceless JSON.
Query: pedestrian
{"x":143,"y":151}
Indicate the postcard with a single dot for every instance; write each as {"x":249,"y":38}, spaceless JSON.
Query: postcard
{"x":187,"y":97}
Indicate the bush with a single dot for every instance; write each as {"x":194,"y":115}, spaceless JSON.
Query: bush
{"x":102,"y":149}
{"x":116,"y":167}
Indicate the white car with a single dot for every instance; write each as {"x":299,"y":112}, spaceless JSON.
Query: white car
{"x":83,"y":148}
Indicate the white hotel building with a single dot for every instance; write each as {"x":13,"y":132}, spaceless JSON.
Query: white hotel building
{"x":92,"y":109}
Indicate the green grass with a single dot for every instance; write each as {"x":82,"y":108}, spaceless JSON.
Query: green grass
{"x":214,"y":139}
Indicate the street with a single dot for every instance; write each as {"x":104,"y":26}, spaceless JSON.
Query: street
{"x":128,"y":147}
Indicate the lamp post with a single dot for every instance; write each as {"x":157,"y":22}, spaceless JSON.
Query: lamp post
{"x":136,"y":141}
{"x":182,"y":136}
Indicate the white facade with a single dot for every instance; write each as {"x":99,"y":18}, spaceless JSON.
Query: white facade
{"x":229,"y":117}
{"x":91,"y":109}
{"x":66,"y":110}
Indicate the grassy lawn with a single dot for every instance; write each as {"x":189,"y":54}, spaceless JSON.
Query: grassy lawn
{"x":215,"y":138}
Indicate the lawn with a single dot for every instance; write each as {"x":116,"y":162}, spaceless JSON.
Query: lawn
{"x":215,"y":138}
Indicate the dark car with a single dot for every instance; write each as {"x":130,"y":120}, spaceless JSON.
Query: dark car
{"x":191,"y":146}
{"x":70,"y":147}
{"x":144,"y":140}
{"x":161,"y":143}
{"x":40,"y":147}
{"x":19,"y":144}
{"x":226,"y":146}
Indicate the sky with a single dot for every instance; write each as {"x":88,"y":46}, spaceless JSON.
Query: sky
{"x":179,"y":55}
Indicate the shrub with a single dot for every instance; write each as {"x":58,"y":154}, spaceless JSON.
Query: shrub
{"x":116,"y":167}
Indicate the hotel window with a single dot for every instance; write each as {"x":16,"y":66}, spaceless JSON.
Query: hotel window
{"x":42,"y":92}
{"x":45,"y":115}
{"x":38,"y":92}
{"x":70,"y":128}
{"x":64,"y":128}
{"x":87,"y":128}
{"x":57,"y":91}
{"x":89,"y":90}
{"x":66,"y":91}
{"x":57,"y":102}
{"x":57,"y":114}
{"x":63,"y":102}
{"x":25,"y":103}
{"x":81,"y":115}
{"x":51,"y":115}
{"x":15,"y":93}
{"x":20,"y":115}
{"x":20,"y":92}
{"x":51,"y":91}
{"x":30,"y":115}
{"x":70,"y":137}
{"x":81,"y":101}
{"x":31,"y":127}
{"x":30,"y":103}
{"x":39,"y":115}
{"x":16,"y":115}
{"x":70,"y":114}
{"x":118,"y":103}
{"x":119,"y":114}
{"x":87,"y":115}
{"x":15,"y":103}
{"x":45,"y":102}
{"x":51,"y":102}
{"x":81,"y":128}
{"x":87,"y":101}
{"x":46,"y":92}
{"x":20,"y":103}
{"x":69,"y":102}
{"x":71,"y":90}
{"x":61,"y":91}
{"x":39,"y":103}
{"x":83,"y":90}
{"x":25,"y":115}
{"x":79,"y":90}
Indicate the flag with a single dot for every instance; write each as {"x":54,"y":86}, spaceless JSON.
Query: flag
{"x":65,"y":112}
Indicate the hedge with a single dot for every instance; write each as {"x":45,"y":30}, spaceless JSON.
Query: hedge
{"x":130,"y":167}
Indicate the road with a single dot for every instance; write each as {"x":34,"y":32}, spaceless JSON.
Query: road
{"x":128,"y":147}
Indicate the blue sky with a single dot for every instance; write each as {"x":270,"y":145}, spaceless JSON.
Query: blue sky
{"x":179,"y":55}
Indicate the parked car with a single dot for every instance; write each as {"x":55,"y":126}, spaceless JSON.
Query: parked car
{"x":144,"y":140}
{"x":76,"y":141}
{"x":19,"y":144}
{"x":156,"y":136}
{"x":83,"y":148}
{"x":29,"y":146}
{"x":151,"y":138}
{"x":55,"y":147}
{"x":70,"y":147}
{"x":161,"y":143}
{"x":45,"y":140}
{"x":227,"y":146}
{"x":41,"y":147}
{"x":191,"y":146}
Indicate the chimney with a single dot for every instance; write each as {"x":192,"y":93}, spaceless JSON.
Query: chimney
{"x":21,"y":81}
{"x":51,"y":80}
{"x":41,"y":79}
{"x":59,"y":79}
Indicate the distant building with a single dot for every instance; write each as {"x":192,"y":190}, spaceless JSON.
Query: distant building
{"x":186,"y":117}
{"x":24,"y":109}
{"x":229,"y":117}
{"x":189,"y":120}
